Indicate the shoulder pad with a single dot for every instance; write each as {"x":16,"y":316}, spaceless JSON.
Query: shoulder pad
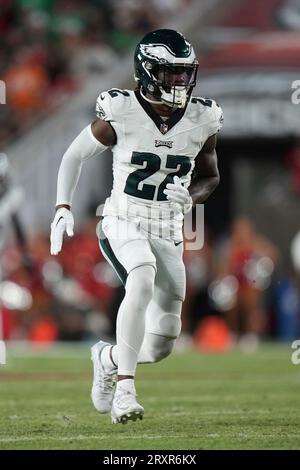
{"x":214,"y":113}
{"x":110,"y":104}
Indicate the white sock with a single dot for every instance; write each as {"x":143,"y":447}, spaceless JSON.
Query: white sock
{"x":127,"y":385}
{"x":131,"y":317}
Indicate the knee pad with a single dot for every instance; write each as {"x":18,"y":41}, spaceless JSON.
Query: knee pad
{"x":163,"y":322}
{"x":158,"y":347}
{"x":169,"y":325}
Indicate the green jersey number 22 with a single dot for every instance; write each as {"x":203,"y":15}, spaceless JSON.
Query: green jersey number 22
{"x":153,"y":163}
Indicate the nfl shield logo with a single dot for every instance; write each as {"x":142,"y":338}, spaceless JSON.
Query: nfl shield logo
{"x":163,"y":128}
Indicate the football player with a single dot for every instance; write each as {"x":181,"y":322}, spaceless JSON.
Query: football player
{"x":164,"y":162}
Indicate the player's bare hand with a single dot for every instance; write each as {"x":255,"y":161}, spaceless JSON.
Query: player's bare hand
{"x":179,"y":194}
{"x":62,"y":222}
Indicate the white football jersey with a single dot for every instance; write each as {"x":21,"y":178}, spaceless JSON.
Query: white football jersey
{"x":150,"y":151}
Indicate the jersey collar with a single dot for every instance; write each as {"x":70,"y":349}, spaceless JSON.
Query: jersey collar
{"x":162,"y":126}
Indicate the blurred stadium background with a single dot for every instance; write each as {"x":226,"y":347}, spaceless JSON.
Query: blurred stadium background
{"x":55,"y":58}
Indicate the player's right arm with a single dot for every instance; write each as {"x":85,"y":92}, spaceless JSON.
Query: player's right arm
{"x":91,"y":142}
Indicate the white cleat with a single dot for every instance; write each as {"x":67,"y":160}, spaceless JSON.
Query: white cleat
{"x":125,"y":407}
{"x":104,"y":383}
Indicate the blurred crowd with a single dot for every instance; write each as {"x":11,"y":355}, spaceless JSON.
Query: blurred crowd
{"x":47,"y":46}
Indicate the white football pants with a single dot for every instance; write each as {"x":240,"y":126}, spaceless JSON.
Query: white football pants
{"x":153,"y":274}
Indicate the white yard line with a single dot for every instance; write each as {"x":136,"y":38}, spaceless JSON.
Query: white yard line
{"x":84,"y":438}
{"x":246,"y":414}
{"x":139,"y":437}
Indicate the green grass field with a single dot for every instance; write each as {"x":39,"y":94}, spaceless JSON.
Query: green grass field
{"x":192,"y":401}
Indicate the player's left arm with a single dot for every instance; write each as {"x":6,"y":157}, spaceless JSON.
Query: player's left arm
{"x":206,"y":176}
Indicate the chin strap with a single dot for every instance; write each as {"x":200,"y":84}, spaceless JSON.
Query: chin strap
{"x":180,"y":94}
